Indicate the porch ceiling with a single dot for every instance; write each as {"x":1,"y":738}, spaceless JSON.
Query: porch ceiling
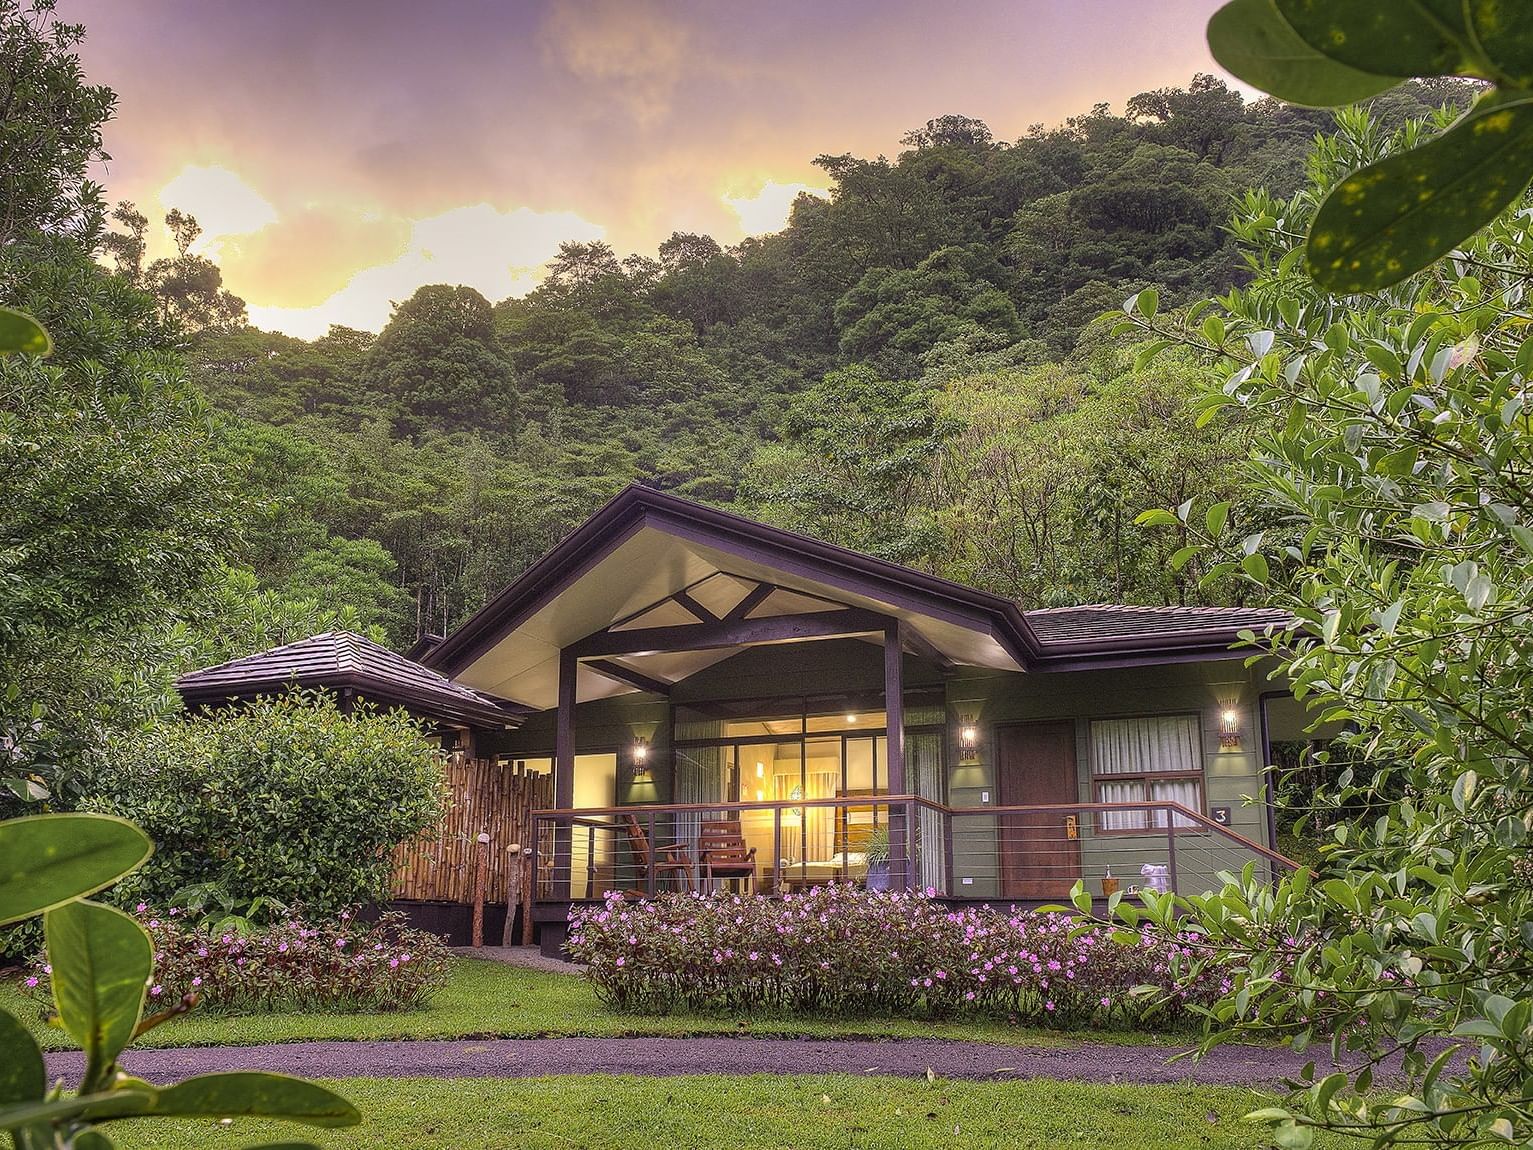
{"x":648,"y":566}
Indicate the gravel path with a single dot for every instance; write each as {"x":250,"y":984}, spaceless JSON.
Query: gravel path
{"x":529,"y":957}
{"x":528,"y":1057}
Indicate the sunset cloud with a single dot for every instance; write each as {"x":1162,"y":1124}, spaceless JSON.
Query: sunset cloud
{"x":767,"y":210}
{"x":499,"y":254}
{"x":341,"y":154}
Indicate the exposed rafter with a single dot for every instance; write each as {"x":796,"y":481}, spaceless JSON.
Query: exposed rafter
{"x":730,"y":633}
{"x":628,"y":676}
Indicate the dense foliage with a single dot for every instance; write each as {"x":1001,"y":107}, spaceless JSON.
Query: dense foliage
{"x":1387,"y":505}
{"x":842,"y":949}
{"x":340,"y":965}
{"x":881,"y":372}
{"x":288,"y":799}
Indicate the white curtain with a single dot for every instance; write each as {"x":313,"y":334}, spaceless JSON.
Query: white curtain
{"x":1160,"y":744}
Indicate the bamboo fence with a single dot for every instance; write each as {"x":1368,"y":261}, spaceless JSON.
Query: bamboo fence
{"x":484,"y":797}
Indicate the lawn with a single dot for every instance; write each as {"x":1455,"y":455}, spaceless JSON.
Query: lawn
{"x":807,"y":1112}
{"x":492,"y":1000}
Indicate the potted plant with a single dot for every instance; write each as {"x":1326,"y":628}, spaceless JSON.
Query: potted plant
{"x":877,"y":851}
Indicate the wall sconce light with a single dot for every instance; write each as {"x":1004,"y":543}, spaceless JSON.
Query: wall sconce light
{"x":760,"y":770}
{"x":1229,"y":729}
{"x":458,"y":755}
{"x":640,"y":761}
{"x":968,"y":743}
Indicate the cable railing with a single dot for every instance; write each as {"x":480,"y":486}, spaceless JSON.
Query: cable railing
{"x":1023,"y":853}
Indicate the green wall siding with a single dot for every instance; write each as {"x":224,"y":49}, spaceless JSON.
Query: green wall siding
{"x":990,"y":700}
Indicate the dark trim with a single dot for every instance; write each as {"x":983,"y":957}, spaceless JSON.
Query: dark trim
{"x":710,"y":636}
{"x":422,"y":647}
{"x":629,"y":677}
{"x":900,"y":588}
{"x":1268,"y":771}
{"x":571,"y":558}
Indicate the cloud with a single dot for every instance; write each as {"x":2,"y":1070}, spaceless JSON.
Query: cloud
{"x":631,"y":48}
{"x":497,"y":253}
{"x":767,"y":210}
{"x":223,"y":202}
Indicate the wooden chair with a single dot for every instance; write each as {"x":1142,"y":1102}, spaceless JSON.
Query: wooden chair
{"x":670,"y":859}
{"x":722,"y":854}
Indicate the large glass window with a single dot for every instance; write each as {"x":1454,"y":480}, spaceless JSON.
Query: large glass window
{"x":1156,"y":758}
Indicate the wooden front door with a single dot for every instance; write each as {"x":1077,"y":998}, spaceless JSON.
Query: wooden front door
{"x":1039,"y":858}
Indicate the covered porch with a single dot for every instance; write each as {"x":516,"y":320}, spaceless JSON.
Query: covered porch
{"x":721,"y":704}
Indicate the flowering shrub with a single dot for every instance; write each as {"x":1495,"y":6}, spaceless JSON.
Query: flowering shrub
{"x":346,"y":965}
{"x":842,"y":949}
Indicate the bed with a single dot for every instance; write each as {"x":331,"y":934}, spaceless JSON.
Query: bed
{"x":846,"y":860}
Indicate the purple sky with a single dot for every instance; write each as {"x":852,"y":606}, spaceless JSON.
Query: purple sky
{"x":340,"y":154}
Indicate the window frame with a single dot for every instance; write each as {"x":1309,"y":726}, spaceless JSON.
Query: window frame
{"x":1146,"y":779}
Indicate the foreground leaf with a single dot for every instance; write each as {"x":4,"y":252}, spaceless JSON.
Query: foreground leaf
{"x":46,"y":860}
{"x":1396,"y":37}
{"x":102,"y":961}
{"x":1395,"y":217}
{"x":23,"y":1078}
{"x":1254,"y":43}
{"x":21,"y":334}
{"x":255,"y":1094}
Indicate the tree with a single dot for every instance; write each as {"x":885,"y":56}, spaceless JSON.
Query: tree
{"x":190,"y":288}
{"x":909,"y":312}
{"x":855,"y":466}
{"x":50,"y":132}
{"x":440,"y":364}
{"x":1388,"y":506}
{"x":113,"y":515}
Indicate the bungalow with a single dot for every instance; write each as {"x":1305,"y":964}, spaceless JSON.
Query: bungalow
{"x":716,"y":700}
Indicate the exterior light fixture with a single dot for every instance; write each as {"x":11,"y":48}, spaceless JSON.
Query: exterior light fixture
{"x":968,"y":744}
{"x":760,"y":770}
{"x":1229,"y":729}
{"x":851,"y":720}
{"x":640,"y":761}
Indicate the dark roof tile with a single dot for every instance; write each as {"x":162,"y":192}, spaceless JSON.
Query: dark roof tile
{"x":344,"y":658}
{"x":1096,"y":622}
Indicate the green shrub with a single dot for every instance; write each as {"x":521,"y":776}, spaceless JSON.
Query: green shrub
{"x":288,"y":799}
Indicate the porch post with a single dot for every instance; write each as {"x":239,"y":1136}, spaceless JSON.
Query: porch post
{"x":564,"y":772}
{"x":894,"y":720}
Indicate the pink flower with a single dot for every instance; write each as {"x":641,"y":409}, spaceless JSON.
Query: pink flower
{"x":141,"y":907}
{"x":32,"y":982}
{"x":197,"y":981}
{"x":156,"y":991}
{"x":340,"y":942}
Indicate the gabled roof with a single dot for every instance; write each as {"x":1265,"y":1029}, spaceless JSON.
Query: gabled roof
{"x":343,"y":660}
{"x":645,"y":545}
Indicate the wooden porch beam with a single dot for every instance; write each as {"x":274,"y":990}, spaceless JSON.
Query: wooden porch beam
{"x":730,"y":633}
{"x":564,"y":767}
{"x":754,"y":598}
{"x":628,"y":676}
{"x":703,"y":614}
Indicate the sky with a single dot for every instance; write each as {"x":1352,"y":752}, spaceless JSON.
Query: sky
{"x":341,"y":153}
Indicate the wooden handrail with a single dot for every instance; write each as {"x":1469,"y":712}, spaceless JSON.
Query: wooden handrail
{"x":583,"y":816}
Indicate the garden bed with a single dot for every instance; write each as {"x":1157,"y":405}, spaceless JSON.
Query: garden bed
{"x":841,"y":950}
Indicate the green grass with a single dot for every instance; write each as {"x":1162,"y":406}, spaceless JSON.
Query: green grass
{"x":802,"y":1112}
{"x":492,"y":1000}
